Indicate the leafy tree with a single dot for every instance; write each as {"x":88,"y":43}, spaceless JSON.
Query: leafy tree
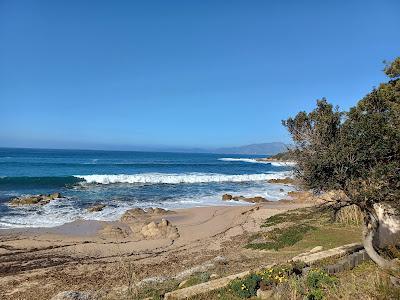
{"x":357,"y":152}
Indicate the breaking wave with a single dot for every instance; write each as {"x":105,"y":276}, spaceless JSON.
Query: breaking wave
{"x":255,"y":161}
{"x":158,"y":178}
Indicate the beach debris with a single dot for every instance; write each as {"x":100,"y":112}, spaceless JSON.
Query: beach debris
{"x":96,"y":207}
{"x":35,"y":199}
{"x":72,"y":295}
{"x":163,"y":229}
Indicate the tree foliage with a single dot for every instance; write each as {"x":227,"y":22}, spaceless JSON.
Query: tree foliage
{"x":356,"y":151}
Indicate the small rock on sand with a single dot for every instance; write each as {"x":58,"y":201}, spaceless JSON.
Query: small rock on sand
{"x":214,"y":276}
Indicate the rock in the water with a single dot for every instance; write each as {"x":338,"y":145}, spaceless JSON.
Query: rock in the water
{"x":55,"y":195}
{"x":286,"y":180}
{"x":226,"y":197}
{"x":72,"y":295}
{"x":96,"y":207}
{"x":163,"y":229}
{"x":36,"y":199}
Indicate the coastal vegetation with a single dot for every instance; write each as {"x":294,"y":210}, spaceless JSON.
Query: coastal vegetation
{"x":358,"y":153}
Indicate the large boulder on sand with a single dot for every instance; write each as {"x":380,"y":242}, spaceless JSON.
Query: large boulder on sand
{"x":163,"y":229}
{"x":114,"y":231}
{"x":134,"y":213}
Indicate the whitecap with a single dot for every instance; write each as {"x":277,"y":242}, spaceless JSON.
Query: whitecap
{"x":159,"y":178}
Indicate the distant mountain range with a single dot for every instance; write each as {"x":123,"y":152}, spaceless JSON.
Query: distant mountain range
{"x":253,"y":149}
{"x":256,"y":149}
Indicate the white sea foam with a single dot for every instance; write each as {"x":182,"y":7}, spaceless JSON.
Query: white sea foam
{"x":283,"y":163}
{"x":248,"y":160}
{"x":158,"y":178}
{"x":255,"y":161}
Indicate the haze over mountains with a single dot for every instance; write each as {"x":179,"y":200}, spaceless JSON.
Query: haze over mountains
{"x":256,"y":149}
{"x":252,"y":149}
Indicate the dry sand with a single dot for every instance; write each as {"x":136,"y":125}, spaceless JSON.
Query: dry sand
{"x":82,"y":255}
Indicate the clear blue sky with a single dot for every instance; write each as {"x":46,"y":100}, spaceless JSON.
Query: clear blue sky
{"x":93,"y":74}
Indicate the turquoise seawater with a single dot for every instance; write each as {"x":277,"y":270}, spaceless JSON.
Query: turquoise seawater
{"x":125,"y":179}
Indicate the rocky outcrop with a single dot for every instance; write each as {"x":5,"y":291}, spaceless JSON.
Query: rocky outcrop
{"x":286,"y":180}
{"x":134,"y":213}
{"x":257,"y":199}
{"x":227,"y":197}
{"x":114,"y":231}
{"x":147,"y":224}
{"x":96,"y":207}
{"x":35,"y":200}
{"x":163,"y":229}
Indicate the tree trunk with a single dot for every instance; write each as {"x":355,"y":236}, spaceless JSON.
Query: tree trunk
{"x":371,"y":226}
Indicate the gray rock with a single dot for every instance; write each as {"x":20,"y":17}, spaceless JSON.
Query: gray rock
{"x":96,"y":207}
{"x":72,"y":295}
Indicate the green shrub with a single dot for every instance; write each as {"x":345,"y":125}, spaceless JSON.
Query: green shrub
{"x":246,"y":287}
{"x":318,"y":279}
{"x":315,"y":294}
{"x":317,"y":282}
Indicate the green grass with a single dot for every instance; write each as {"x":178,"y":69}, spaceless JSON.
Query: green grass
{"x":196,"y":279}
{"x":156,"y":291}
{"x":302,"y":215}
{"x":282,"y":237}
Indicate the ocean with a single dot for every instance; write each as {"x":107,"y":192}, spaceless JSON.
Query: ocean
{"x":126,"y":179}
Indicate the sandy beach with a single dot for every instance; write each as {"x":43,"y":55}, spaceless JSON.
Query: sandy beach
{"x":93,"y":256}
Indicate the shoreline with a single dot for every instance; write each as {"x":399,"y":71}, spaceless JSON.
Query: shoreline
{"x":52,"y":257}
